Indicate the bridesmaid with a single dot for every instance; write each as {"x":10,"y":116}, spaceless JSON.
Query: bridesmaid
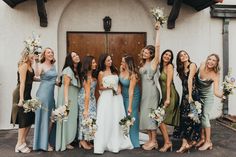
{"x":43,"y":126}
{"x":208,"y":75}
{"x":170,"y":97}
{"x":68,"y":93}
{"x":150,"y":93}
{"x":131,"y":95}
{"x":86,"y":98}
{"x":188,"y":129}
{"x":25,"y":76}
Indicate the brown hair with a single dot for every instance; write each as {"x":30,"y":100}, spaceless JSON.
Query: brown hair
{"x":217,"y":67}
{"x":42,"y":59}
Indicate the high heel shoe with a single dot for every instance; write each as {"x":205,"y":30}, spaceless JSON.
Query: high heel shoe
{"x":84,"y":146}
{"x":22,"y":149}
{"x":206,"y":145}
{"x":50,"y":148}
{"x":184,"y":148}
{"x":150,"y":146}
{"x":200,"y":143}
{"x":166,"y":147}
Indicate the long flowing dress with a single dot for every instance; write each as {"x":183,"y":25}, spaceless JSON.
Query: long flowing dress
{"x":92,"y":109}
{"x":45,"y":94}
{"x":134,"y":130}
{"x":66,"y":130}
{"x":150,"y":97}
{"x":110,"y":110}
{"x":188,"y":128}
{"x":172,"y":111}
{"x":18,"y":116}
{"x":207,"y":97}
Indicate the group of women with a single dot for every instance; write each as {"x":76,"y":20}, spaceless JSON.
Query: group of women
{"x":120,"y":96}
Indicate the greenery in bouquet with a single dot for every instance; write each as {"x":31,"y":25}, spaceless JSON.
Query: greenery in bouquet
{"x":228,"y":84}
{"x":158,"y":15}
{"x":89,"y":128}
{"x":31,"y":105}
{"x":158,"y":115}
{"x":61,"y":113}
{"x":195,"y":111}
{"x":126,"y":123}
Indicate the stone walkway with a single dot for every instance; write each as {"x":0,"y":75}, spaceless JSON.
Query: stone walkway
{"x":224,"y":145}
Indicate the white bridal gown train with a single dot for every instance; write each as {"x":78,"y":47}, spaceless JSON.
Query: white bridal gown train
{"x":110,"y":110}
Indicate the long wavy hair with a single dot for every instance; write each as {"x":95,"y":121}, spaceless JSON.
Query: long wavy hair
{"x":69,"y":63}
{"x":42,"y":59}
{"x":132,"y":68}
{"x":217,"y":67}
{"x":87,"y":67}
{"x":180,"y":65}
{"x":162,"y":62}
{"x":151,"y":49}
{"x":102,"y":66}
{"x":24,"y":57}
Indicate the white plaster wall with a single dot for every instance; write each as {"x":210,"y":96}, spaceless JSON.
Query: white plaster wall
{"x":195,"y":32}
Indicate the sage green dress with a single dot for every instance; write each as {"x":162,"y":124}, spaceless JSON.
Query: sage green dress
{"x":66,"y":130}
{"x":150,"y":97}
{"x":172,"y":111}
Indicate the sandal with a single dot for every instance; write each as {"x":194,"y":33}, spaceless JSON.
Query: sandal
{"x":22,"y":149}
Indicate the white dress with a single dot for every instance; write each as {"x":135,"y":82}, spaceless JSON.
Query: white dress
{"x":110,"y":110}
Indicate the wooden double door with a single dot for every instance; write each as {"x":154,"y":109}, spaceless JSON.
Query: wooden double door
{"x":115,"y":43}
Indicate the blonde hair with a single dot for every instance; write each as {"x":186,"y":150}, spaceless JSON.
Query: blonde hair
{"x":42,"y":59}
{"x":24,"y":57}
{"x":216,"y":69}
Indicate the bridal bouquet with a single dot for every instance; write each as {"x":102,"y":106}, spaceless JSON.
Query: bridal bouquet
{"x":125,"y":124}
{"x":195,"y":111}
{"x":32,"y":44}
{"x":158,"y":15}
{"x":110,"y":84}
{"x":228,"y":84}
{"x":31,"y":105}
{"x":61,"y":113}
{"x":158,"y":115}
{"x":89,"y":128}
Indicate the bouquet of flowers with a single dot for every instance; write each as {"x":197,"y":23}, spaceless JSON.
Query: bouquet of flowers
{"x":31,"y":105}
{"x":125,"y":123}
{"x":158,"y":15}
{"x":228,"y":84}
{"x":195,"y":111}
{"x":32,"y":44}
{"x":89,"y":128}
{"x":158,"y":115}
{"x":110,"y":84}
{"x":61,"y":113}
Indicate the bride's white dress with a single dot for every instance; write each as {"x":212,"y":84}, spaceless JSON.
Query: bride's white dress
{"x":110,"y":110}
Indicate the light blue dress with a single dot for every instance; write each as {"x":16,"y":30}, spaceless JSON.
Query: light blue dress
{"x":66,"y":130}
{"x":92,"y":108}
{"x":45,"y":94}
{"x":134,"y":130}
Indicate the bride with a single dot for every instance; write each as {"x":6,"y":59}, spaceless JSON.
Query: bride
{"x":110,"y":110}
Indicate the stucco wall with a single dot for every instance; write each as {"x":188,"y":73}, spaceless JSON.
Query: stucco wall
{"x":195,"y":32}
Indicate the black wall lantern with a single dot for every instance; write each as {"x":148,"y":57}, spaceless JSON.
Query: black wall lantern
{"x":107,"y":23}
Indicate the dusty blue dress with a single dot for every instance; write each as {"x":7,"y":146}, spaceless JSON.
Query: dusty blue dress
{"x":92,"y":108}
{"x":207,"y":97}
{"x":45,"y":94}
{"x":134,"y":130}
{"x":66,"y":130}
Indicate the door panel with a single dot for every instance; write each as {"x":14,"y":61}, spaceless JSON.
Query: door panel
{"x":115,"y":43}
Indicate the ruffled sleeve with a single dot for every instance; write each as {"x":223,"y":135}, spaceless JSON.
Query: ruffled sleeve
{"x":68,"y":72}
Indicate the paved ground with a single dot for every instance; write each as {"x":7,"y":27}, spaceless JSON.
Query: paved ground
{"x":224,"y":141}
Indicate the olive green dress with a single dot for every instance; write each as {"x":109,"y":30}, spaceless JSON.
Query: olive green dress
{"x":172,"y":111}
